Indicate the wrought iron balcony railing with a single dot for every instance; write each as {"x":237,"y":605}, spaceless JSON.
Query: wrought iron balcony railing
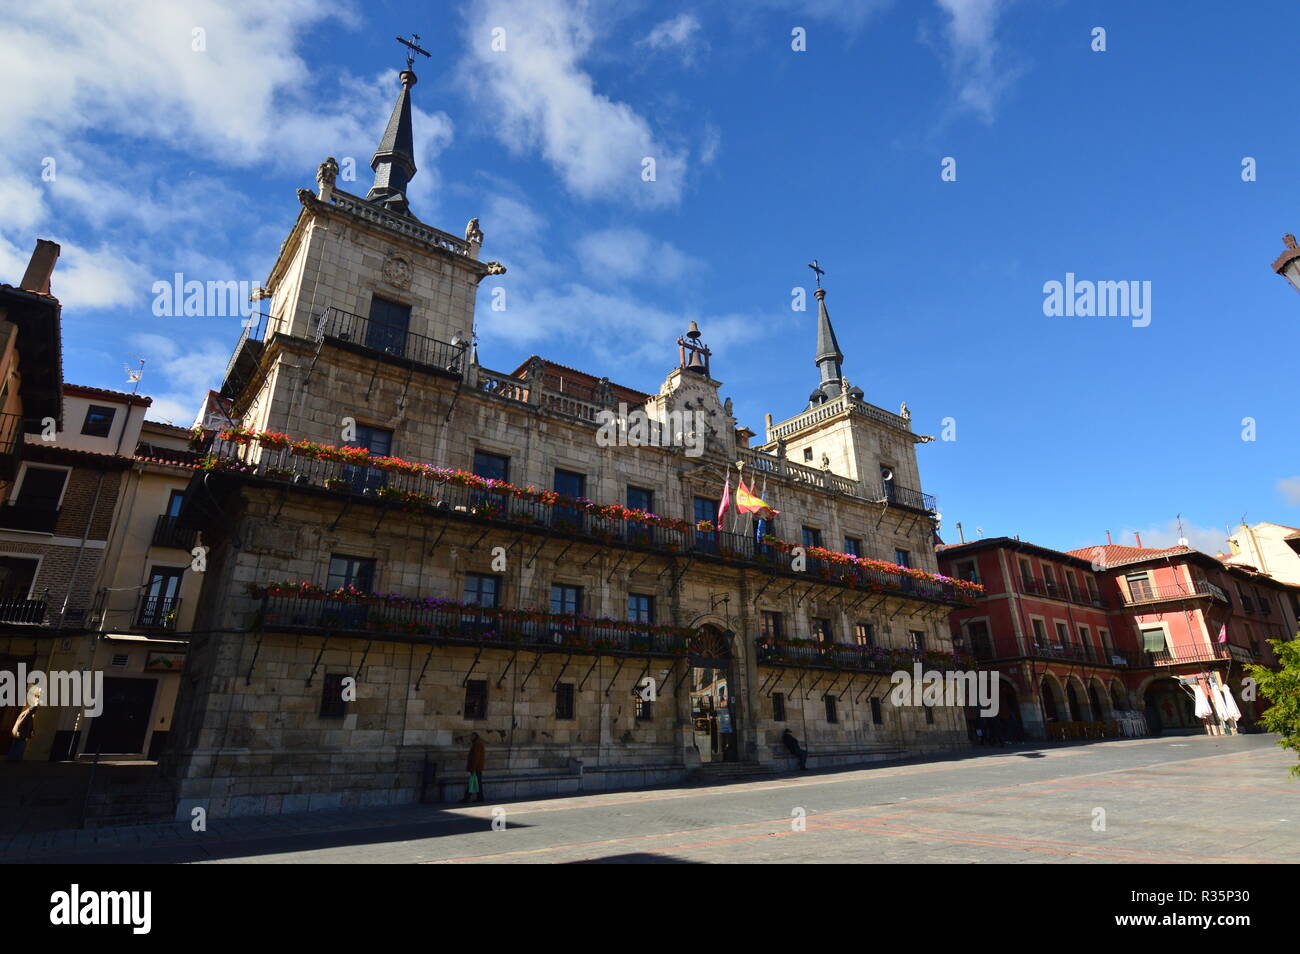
{"x":899,"y":496}
{"x":404,"y":491}
{"x":157,"y":612}
{"x":1190,"y":654}
{"x":1056,"y":591}
{"x":808,"y":654}
{"x":1199,"y":589}
{"x":334,"y":324}
{"x":168,"y":532}
{"x":452,"y":627}
{"x":985,"y":649}
{"x":21,"y":609}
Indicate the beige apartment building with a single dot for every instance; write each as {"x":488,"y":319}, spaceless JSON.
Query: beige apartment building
{"x":404,"y":547}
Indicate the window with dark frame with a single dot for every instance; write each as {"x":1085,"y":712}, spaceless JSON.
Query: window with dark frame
{"x":476,"y":699}
{"x":864,"y":634}
{"x":638,"y":498}
{"x":812,"y":537}
{"x":903,"y":557}
{"x":778,"y":707}
{"x":99,"y":421}
{"x":566,"y":599}
{"x":640,"y":608}
{"x":564,"y":700}
{"x":770,"y":624}
{"x":821,"y":630}
{"x":332,"y":704}
{"x":853,"y":546}
{"x":645,"y":708}
{"x":491,"y":466}
{"x":916,"y":639}
{"x":877,"y":716}
{"x":832,"y":708}
{"x":352,"y":571}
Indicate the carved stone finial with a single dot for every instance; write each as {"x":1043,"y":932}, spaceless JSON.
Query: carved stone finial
{"x":826,"y":462}
{"x":604,"y":392}
{"x":904,"y":411}
{"x":1289,"y":239}
{"x":495,"y":268}
{"x":473,"y":234}
{"x":326,"y":173}
{"x":726,"y":408}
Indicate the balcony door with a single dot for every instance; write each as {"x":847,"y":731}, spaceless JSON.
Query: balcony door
{"x":380,"y":444}
{"x":388,"y":325}
{"x":162,"y":597}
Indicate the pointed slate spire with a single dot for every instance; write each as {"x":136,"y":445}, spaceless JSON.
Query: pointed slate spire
{"x":829,"y":357}
{"x":394,"y":160}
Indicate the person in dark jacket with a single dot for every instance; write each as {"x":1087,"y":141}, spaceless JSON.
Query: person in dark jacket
{"x":792,"y":745}
{"x":474,"y":766}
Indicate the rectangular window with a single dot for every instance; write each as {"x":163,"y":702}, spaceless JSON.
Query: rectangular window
{"x":864,"y":634}
{"x":638,"y":498}
{"x":770,"y":624}
{"x":491,"y":466}
{"x":832,"y":708}
{"x":570,"y":484}
{"x":17,"y":574}
{"x":645,"y":708}
{"x":1040,"y":632}
{"x":566,"y":599}
{"x":903,"y":558}
{"x":379,"y":442}
{"x":812,"y":537}
{"x":1092,"y":588}
{"x":853,"y":546}
{"x":162,"y":596}
{"x":1104,"y":636}
{"x":1062,"y":633}
{"x":966,"y":570}
{"x":99,"y":421}
{"x":332,"y":704}
{"x":821,"y":630}
{"x":174,"y":503}
{"x":1153,"y":640}
{"x":1139,"y":586}
{"x":877,"y":716}
{"x":640,"y":608}
{"x":350,"y":571}
{"x":778,"y":707}
{"x":1085,"y":635}
{"x":387,"y":327}
{"x":41,"y":489}
{"x":929,"y":716}
{"x":483,"y":590}
{"x":916,"y":639}
{"x":1026,"y":574}
{"x":564,"y":700}
{"x":476,"y":699}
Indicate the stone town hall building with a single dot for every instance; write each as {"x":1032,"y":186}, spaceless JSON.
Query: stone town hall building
{"x":594,"y":645}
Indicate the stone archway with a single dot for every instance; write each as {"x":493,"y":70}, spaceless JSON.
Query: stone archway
{"x":1099,"y":701}
{"x":1053,"y":700}
{"x":1168,"y":706}
{"x":714,"y":706}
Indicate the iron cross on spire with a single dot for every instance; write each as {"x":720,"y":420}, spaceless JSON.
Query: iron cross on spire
{"x":818,"y":271}
{"x":414,"y":44}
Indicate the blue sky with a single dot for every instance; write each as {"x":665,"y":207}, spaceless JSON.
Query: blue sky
{"x":1122,"y":165}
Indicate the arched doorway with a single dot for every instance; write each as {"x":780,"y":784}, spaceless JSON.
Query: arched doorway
{"x":714,"y":710}
{"x":1072,"y":700}
{"x":1051,"y":699}
{"x":1169,"y":707}
{"x":1095,"y":697}
{"x":1008,"y":727}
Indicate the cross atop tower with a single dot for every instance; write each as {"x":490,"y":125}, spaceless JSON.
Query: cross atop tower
{"x":414,"y":44}
{"x":817,"y":270}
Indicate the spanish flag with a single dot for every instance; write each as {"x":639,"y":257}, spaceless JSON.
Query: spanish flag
{"x":748,"y":502}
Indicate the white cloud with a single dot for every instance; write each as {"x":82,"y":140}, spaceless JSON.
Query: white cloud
{"x":1289,"y":488}
{"x":1209,"y":540}
{"x":542,"y":99}
{"x":629,"y":254}
{"x":974,"y":58}
{"x":178,"y":377}
{"x":680,"y":34}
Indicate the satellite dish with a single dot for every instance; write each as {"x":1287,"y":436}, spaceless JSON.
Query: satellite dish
{"x":887,"y":475}
{"x":1182,"y":541}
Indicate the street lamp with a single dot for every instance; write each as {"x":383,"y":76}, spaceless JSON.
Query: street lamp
{"x":1288,"y":263}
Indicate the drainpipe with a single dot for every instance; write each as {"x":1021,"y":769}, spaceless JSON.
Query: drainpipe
{"x":90,"y":518}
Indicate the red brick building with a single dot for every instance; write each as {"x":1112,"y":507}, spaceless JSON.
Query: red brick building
{"x":1113,"y":638}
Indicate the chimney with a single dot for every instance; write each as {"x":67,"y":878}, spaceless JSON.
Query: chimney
{"x":41,"y":267}
{"x":1107,"y":538}
{"x":1137,"y":536}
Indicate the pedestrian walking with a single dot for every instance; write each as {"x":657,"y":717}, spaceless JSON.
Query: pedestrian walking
{"x":474,"y":766}
{"x":795,"y":749}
